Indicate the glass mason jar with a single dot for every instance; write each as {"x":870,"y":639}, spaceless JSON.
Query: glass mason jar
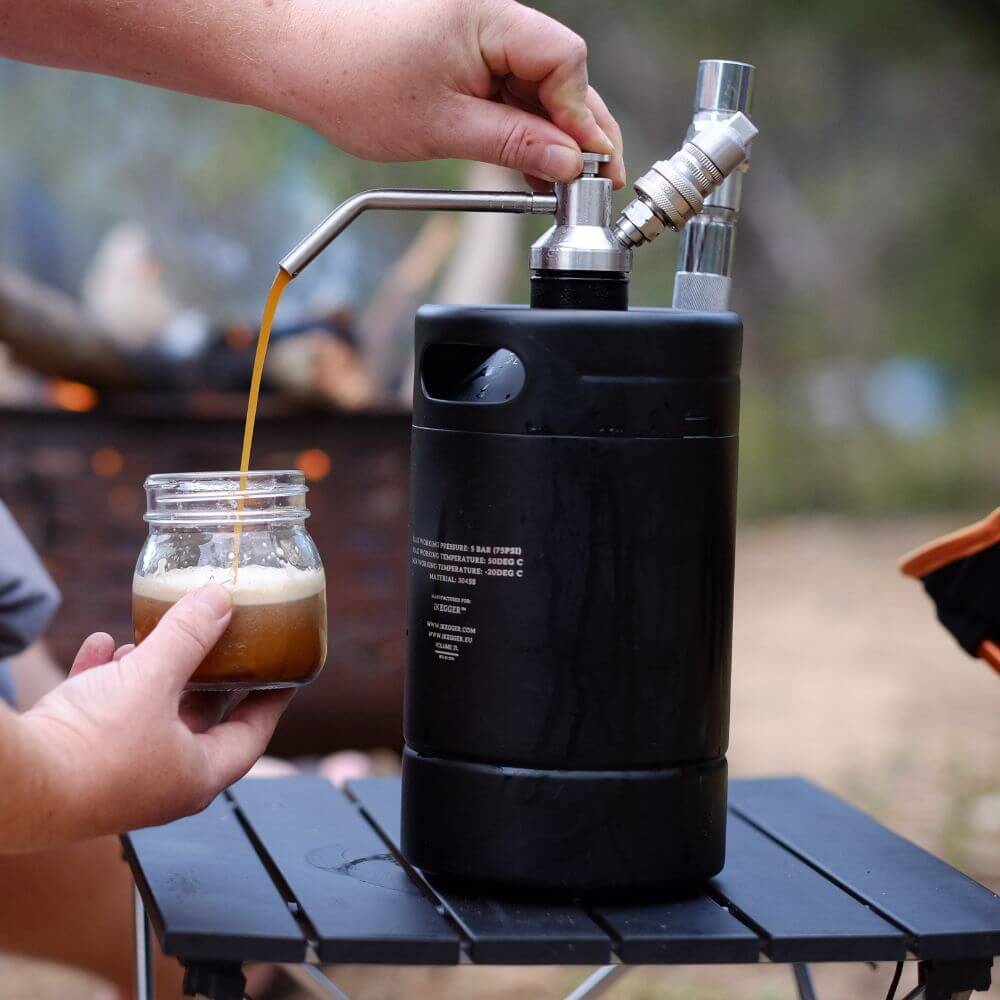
{"x":203,"y":528}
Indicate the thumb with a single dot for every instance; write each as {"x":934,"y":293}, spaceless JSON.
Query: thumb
{"x":184,"y":636}
{"x":512,"y":137}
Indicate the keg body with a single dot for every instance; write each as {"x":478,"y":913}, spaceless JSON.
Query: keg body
{"x":570,"y":603}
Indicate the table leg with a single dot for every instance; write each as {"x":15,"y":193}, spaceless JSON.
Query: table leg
{"x":144,"y":985}
{"x":597,"y":983}
{"x":315,"y":981}
{"x":920,"y":993}
{"x":953,"y":979}
{"x":214,"y":980}
{"x":803,"y":981}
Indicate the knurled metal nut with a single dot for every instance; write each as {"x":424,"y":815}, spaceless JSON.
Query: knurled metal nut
{"x":673,"y":171}
{"x":657,"y":191}
{"x":663,"y":204}
{"x":693,"y":168}
{"x":709,"y":173}
{"x":664,"y":197}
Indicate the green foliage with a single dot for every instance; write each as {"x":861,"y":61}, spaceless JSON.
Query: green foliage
{"x":788,"y":465}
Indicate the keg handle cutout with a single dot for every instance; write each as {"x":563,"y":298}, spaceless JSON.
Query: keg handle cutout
{"x":471,"y":373}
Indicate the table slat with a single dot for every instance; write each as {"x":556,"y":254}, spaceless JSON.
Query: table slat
{"x":207,"y":892}
{"x":946,"y":914}
{"x":806,"y":917}
{"x":361,"y":903}
{"x":500,"y":931}
{"x":694,"y":931}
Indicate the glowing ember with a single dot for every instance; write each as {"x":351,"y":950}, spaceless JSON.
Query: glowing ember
{"x":107,"y":462}
{"x":314,"y":463}
{"x":74,"y":396}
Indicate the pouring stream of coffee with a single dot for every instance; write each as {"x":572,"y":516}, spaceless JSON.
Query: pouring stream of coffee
{"x":281,"y":280}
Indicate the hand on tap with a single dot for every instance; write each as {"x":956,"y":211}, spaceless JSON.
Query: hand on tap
{"x":488,"y":80}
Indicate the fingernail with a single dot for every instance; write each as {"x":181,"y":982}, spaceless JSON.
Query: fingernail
{"x":216,"y":598}
{"x":560,"y":163}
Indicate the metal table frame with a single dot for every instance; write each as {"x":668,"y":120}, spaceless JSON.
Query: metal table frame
{"x":953,"y":942}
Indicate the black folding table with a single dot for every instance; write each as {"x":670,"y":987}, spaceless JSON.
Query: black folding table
{"x":291,"y":870}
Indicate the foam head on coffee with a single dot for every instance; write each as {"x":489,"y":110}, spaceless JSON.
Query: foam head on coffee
{"x":253,"y":585}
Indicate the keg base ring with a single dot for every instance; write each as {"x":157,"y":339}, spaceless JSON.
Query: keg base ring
{"x":568,"y":832}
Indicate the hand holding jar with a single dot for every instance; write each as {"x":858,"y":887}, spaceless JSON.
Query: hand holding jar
{"x":119,"y":744}
{"x":124,"y":741}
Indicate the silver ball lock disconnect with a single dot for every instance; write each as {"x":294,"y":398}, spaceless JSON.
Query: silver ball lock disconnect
{"x":674,"y":191}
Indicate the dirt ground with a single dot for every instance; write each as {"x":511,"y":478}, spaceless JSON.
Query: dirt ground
{"x":841,"y":673}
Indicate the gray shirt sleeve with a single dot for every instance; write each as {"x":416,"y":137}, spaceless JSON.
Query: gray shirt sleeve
{"x":28,"y":596}
{"x":7,"y":692}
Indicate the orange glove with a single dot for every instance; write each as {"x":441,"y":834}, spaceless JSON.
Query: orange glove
{"x":961,"y":573}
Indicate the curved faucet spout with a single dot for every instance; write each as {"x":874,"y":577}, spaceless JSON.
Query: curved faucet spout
{"x":401,"y":199}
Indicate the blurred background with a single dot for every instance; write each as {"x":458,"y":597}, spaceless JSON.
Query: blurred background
{"x":139,"y":231}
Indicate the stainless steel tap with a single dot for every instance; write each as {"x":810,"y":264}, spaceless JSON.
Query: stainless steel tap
{"x":583,"y":237}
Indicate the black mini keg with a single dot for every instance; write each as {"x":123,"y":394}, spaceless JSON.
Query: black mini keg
{"x":573,"y":502}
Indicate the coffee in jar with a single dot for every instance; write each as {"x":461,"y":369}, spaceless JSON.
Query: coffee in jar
{"x":277,"y":635}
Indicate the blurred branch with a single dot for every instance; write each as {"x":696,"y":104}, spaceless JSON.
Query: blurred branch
{"x":409,"y":277}
{"x":50,"y":333}
{"x":489,"y":250}
{"x":486,"y":252}
{"x":474,"y":256}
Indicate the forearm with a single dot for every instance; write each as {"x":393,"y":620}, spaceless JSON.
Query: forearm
{"x":233,"y":50}
{"x":36,"y":673}
{"x":28,"y":801}
{"x":385,"y":80}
